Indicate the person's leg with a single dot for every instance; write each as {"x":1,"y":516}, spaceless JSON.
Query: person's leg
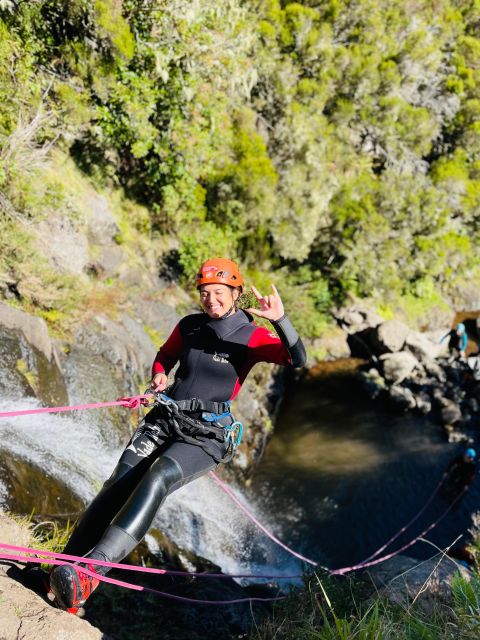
{"x":180,"y":464}
{"x":143,"y":448}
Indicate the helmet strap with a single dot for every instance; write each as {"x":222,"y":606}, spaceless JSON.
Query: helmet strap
{"x":229,"y":312}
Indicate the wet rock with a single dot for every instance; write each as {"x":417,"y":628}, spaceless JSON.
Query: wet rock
{"x":424,"y":403}
{"x":29,"y":361}
{"x":398,"y":366}
{"x":403,"y":580}
{"x":402,"y":398}
{"x":450,"y":412}
{"x":108,"y":360}
{"x":33,"y":329}
{"x":372,"y":382}
{"x":31,"y":489}
{"x":390,"y":336}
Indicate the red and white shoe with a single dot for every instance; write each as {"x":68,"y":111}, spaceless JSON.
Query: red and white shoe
{"x":71,"y":587}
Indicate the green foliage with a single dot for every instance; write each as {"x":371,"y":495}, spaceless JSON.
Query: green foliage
{"x":330,"y":610}
{"x":466,"y":596}
{"x":334,"y":145}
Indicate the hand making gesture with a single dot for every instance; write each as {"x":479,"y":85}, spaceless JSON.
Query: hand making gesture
{"x":271,"y":307}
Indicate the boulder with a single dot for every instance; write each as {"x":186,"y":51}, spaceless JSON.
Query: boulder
{"x":450,"y":412}
{"x":398,"y":366}
{"x":405,"y":580}
{"x":29,"y":361}
{"x":424,"y":403}
{"x":390,"y":336}
{"x":109,"y":260}
{"x":357,"y":318}
{"x":372,"y":382}
{"x":421,"y":346}
{"x":402,"y":398}
{"x":362,"y":344}
{"x":434,"y":370}
{"x":34,"y":329}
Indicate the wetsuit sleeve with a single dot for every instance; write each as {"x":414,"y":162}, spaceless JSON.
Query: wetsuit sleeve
{"x":285,"y":349}
{"x":169,"y":353}
{"x":291,"y":340}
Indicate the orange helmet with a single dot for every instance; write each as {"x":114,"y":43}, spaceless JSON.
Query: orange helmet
{"x":220,"y":271}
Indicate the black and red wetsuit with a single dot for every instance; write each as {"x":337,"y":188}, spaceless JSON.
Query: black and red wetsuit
{"x":215,"y":356}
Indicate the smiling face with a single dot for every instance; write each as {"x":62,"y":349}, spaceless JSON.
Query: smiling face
{"x":217,"y":299}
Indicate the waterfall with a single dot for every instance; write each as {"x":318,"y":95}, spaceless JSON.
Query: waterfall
{"x":198,"y":517}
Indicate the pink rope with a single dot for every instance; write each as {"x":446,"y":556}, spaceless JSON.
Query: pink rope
{"x":408,"y":525}
{"x":363,"y":565}
{"x":132,"y":402}
{"x":250,"y":515}
{"x":137,"y":587}
{"x":132,"y":567}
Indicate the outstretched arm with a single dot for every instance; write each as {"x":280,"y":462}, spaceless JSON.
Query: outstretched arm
{"x":271,"y":308}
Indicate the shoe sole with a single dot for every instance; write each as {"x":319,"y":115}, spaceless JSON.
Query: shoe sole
{"x":63,"y":588}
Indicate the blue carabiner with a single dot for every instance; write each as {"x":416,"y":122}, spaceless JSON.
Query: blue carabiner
{"x":164,"y":399}
{"x":214,"y":417}
{"x":235,"y":429}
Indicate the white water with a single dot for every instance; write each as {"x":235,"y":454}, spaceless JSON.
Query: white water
{"x":199,"y":517}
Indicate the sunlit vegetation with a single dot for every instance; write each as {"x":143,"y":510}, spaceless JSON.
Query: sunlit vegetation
{"x":333,"y":145}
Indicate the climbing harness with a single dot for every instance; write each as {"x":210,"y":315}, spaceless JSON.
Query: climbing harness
{"x":202,"y":427}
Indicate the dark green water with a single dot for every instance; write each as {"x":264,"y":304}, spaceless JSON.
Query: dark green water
{"x":342,"y":474}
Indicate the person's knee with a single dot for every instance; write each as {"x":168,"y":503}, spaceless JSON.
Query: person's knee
{"x":162,"y":475}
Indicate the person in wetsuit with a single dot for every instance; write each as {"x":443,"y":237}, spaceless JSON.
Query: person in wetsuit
{"x":458,"y":476}
{"x":216,"y":350}
{"x":457,"y":340}
{"x":461,"y":470}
